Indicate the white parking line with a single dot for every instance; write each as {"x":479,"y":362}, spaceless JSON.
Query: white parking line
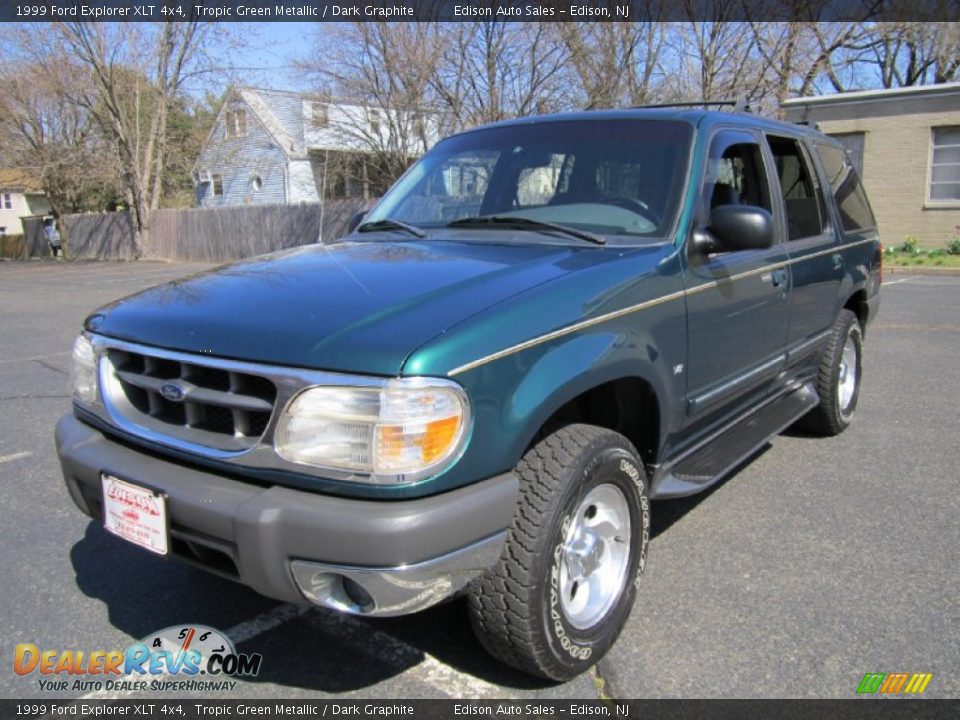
{"x":382,"y":647}
{"x":15,"y":456}
{"x":264,"y":622}
{"x":897,"y":282}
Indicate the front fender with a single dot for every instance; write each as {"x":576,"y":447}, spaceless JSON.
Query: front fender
{"x":514,"y":396}
{"x":570,"y":370}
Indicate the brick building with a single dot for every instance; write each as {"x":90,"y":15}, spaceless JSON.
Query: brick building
{"x":905,"y":143}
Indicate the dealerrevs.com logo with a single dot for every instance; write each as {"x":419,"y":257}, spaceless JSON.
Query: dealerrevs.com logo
{"x":173,"y":659}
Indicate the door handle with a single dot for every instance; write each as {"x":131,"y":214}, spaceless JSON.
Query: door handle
{"x":837,"y":261}
{"x":779,"y":277}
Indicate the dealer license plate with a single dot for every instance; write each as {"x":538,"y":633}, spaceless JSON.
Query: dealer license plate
{"x":135,"y":513}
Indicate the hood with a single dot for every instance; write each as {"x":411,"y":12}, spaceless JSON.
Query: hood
{"x":350,"y":307}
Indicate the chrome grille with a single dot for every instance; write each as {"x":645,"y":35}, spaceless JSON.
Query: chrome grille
{"x":203,"y":404}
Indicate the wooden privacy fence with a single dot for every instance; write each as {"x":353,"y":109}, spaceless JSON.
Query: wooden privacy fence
{"x":101,"y":236}
{"x":35,"y":243}
{"x":210,"y":234}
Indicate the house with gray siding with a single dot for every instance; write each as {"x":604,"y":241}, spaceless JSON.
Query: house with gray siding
{"x":275,"y":146}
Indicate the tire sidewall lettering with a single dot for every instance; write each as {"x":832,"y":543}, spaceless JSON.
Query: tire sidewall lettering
{"x":624,"y":472}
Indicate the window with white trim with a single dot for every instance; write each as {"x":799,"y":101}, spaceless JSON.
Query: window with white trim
{"x":236,"y":123}
{"x":945,"y":164}
{"x":319,"y":114}
{"x":7,"y":201}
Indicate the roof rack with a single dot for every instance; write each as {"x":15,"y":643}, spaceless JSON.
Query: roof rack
{"x":741,"y":105}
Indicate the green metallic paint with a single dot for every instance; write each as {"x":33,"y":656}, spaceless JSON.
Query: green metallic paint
{"x":357,"y":307}
{"x":513,"y":396}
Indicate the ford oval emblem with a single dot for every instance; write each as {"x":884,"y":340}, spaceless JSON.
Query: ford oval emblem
{"x":173,"y":392}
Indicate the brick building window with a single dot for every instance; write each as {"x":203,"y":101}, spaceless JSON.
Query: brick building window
{"x":945,"y":164}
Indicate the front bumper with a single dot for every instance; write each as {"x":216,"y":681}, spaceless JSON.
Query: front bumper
{"x":360,"y":556}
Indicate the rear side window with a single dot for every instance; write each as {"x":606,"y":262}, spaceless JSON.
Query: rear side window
{"x":855,"y":213}
{"x":802,"y":198}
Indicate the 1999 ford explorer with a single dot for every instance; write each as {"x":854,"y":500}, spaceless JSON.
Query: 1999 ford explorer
{"x":542,"y":327}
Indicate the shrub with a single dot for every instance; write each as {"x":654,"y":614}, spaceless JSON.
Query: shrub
{"x":910,"y":245}
{"x":953,"y":246}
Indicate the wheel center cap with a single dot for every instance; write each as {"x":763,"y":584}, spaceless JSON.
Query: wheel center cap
{"x":583,"y":554}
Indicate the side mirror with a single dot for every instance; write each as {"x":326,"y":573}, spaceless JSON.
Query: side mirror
{"x":355,"y":220}
{"x":741,"y":227}
{"x":734,"y":227}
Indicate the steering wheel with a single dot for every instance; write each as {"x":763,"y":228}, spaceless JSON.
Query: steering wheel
{"x":633,"y":205}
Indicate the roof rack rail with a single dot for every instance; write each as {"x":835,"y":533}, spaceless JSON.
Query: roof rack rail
{"x":741,"y":105}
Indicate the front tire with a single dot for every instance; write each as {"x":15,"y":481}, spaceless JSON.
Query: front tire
{"x":564,"y":586}
{"x":838,"y":380}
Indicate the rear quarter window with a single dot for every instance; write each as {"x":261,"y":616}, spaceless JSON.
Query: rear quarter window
{"x":852,"y":203}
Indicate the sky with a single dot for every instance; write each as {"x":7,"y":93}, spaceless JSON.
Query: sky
{"x":267,"y":59}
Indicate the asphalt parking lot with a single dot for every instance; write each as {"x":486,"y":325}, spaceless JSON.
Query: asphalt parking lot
{"x":817,"y":562}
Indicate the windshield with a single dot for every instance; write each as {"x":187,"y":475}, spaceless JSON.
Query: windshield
{"x":613,"y":177}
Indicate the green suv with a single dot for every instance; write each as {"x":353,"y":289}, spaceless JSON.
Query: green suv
{"x":542,"y":327}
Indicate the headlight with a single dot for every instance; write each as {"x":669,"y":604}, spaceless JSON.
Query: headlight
{"x":83,"y":371}
{"x":401,"y":431}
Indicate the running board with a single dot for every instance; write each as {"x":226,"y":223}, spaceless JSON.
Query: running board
{"x":709,"y":462}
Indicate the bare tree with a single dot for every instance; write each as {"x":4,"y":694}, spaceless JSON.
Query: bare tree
{"x":398,"y":87}
{"x":55,"y":140}
{"x":476,"y":72}
{"x":137,"y":73}
{"x":715,"y":57}
{"x":495,"y":70}
{"x":613,"y":64}
{"x":378,"y":74}
{"x":903,"y":54}
{"x":795,"y":55}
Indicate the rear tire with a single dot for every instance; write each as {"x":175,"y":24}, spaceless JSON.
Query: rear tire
{"x":838,"y":381}
{"x":564,"y":586}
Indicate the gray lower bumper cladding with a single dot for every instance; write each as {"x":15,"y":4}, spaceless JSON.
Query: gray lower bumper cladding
{"x":371,"y":557}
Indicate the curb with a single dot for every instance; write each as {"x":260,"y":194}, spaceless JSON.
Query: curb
{"x":920,"y":270}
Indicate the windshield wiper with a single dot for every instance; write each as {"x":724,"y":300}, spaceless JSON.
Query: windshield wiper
{"x":508,"y":220}
{"x":388,"y":224}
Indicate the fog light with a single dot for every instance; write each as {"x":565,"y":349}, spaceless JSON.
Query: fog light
{"x":331,"y":590}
